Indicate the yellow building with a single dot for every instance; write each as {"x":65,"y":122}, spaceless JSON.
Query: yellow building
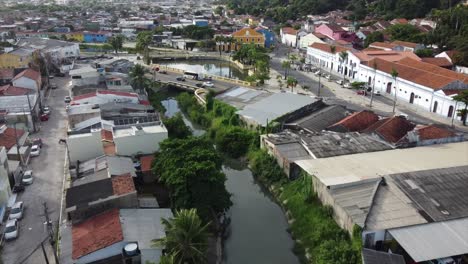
{"x":18,"y":58}
{"x":247,"y":36}
{"x":75,"y":35}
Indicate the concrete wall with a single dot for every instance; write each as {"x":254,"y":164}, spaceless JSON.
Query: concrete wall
{"x":146,"y":143}
{"x":5,"y":190}
{"x":74,"y":119}
{"x":85,"y":146}
{"x":78,"y":214}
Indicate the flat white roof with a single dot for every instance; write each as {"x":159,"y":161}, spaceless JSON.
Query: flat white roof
{"x":127,"y":132}
{"x":356,"y":167}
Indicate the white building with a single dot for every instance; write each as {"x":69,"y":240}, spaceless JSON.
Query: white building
{"x":5,"y":190}
{"x":425,"y":85}
{"x":56,"y":49}
{"x":289,"y":36}
{"x":86,"y":76}
{"x":28,"y":78}
{"x":308,"y":40}
{"x":139,"y":139}
{"x":85,"y":146}
{"x":106,"y":96}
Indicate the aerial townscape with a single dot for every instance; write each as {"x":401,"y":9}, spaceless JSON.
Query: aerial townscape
{"x":234,"y":132}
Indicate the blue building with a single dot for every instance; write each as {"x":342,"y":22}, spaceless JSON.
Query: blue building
{"x":95,"y":37}
{"x":62,"y":29}
{"x":200,"y":22}
{"x":270,"y":38}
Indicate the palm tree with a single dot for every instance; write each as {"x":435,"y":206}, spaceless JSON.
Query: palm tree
{"x":137,"y":75}
{"x":374,"y":65}
{"x":186,"y":237}
{"x":463,"y":97}
{"x":167,"y":259}
{"x":143,"y":41}
{"x":395,"y":76}
{"x":343,"y":58}
{"x":286,"y":65}
{"x":333,"y":51}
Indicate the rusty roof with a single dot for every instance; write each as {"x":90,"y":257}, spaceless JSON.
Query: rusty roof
{"x":356,"y":122}
{"x":96,"y":233}
{"x":391,"y":129}
{"x":123,"y":184}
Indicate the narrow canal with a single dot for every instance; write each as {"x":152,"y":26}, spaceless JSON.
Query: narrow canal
{"x":213,"y":67}
{"x":258,"y":230}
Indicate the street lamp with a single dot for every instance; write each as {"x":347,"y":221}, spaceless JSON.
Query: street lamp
{"x":64,"y":142}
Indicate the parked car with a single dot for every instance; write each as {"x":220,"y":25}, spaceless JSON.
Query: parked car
{"x":16,"y":211}
{"x":347,"y":85}
{"x":60,"y":74}
{"x":361,"y":92}
{"x":317,"y":73}
{"x":27,"y":178}
{"x":67,"y":99}
{"x":11,"y":229}
{"x":340,"y":82}
{"x":36,"y":141}
{"x":51,"y":76}
{"x":17,"y":188}
{"x":44,"y":117}
{"x":208,"y":84}
{"x":163,"y":72}
{"x":199,"y":85}
{"x":328,"y":77}
{"x":46,"y":110}
{"x":35,"y":151}
{"x":181,"y":79}
{"x":53,"y":86}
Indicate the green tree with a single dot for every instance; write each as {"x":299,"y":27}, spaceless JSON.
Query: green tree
{"x":143,"y":41}
{"x":333,"y":52}
{"x":335,"y":251}
{"x":376,"y":36}
{"x":425,"y":53}
{"x":191,"y":169}
{"x":116,"y":42}
{"x":343,"y":60}
{"x":286,"y":65}
{"x":137,"y":77}
{"x":405,"y":32}
{"x":209,"y":100}
{"x":166,"y":259}
{"x":176,"y":127}
{"x":234,"y":141}
{"x":462,"y":97}
{"x":186,"y":238}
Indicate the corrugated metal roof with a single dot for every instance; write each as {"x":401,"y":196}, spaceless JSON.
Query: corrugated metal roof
{"x":434,"y":240}
{"x":322,"y":119}
{"x":370,"y":256}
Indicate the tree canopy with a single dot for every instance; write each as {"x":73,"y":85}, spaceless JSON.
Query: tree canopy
{"x":176,"y":127}
{"x":191,"y":168}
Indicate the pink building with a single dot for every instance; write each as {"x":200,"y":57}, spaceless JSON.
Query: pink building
{"x":336,"y":32}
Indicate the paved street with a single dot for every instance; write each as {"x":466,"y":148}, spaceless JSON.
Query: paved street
{"x":48,"y":171}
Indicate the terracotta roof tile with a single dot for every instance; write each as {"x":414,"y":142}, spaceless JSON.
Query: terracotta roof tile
{"x":247,"y":32}
{"x":382,"y":45}
{"x":391,"y":129}
{"x":356,"y":122}
{"x":433,"y":132}
{"x":326,"y":47}
{"x":10,"y":90}
{"x":84,"y":96}
{"x":107,"y":135}
{"x":146,"y":162}
{"x":123,"y":184}
{"x":289,"y":30}
{"x":441,"y":62}
{"x":29,"y":73}
{"x":96,"y":233}
{"x":405,"y":43}
{"x":8,"y":139}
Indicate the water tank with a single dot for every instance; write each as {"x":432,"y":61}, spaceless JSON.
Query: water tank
{"x":131,"y":249}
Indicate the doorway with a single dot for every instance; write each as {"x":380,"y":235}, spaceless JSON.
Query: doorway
{"x":411,"y":99}
{"x":434,"y":108}
{"x":450,"y":111}
{"x":389,"y":88}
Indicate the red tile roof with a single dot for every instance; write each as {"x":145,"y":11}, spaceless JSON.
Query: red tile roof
{"x":10,"y":90}
{"x":357,"y":121}
{"x":391,"y":129}
{"x":7,"y":73}
{"x":84,"y":96}
{"x":289,"y":30}
{"x":123,"y":184}
{"x":8,"y":138}
{"x":117,"y":93}
{"x":441,"y":62}
{"x":146,"y":162}
{"x":326,"y":47}
{"x":145,"y":102}
{"x":96,"y":233}
{"x":107,"y":135}
{"x":381,"y":45}
{"x":422,"y":73}
{"x":433,"y":132}
{"x":405,"y":44}
{"x":29,"y":73}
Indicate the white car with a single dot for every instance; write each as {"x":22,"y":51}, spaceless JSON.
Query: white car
{"x":27,"y":177}
{"x":11,"y":229}
{"x":35,"y":151}
{"x":208,"y":84}
{"x":16,"y":211}
{"x":46,"y":110}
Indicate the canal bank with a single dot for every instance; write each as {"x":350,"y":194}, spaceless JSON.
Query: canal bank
{"x":258,"y":228}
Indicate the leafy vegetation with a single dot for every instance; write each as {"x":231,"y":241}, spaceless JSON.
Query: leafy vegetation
{"x":137,"y":77}
{"x":462,"y":97}
{"x":143,"y":41}
{"x":406,"y":32}
{"x":251,"y":54}
{"x":376,"y":36}
{"x":191,"y":169}
{"x":116,"y":42}
{"x":176,"y":127}
{"x":186,"y":239}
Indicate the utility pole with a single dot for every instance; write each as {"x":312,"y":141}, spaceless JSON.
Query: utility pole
{"x":50,"y":231}
{"x":44,"y":252}
{"x":17,"y":147}
{"x":30,"y":112}
{"x":319,"y":75}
